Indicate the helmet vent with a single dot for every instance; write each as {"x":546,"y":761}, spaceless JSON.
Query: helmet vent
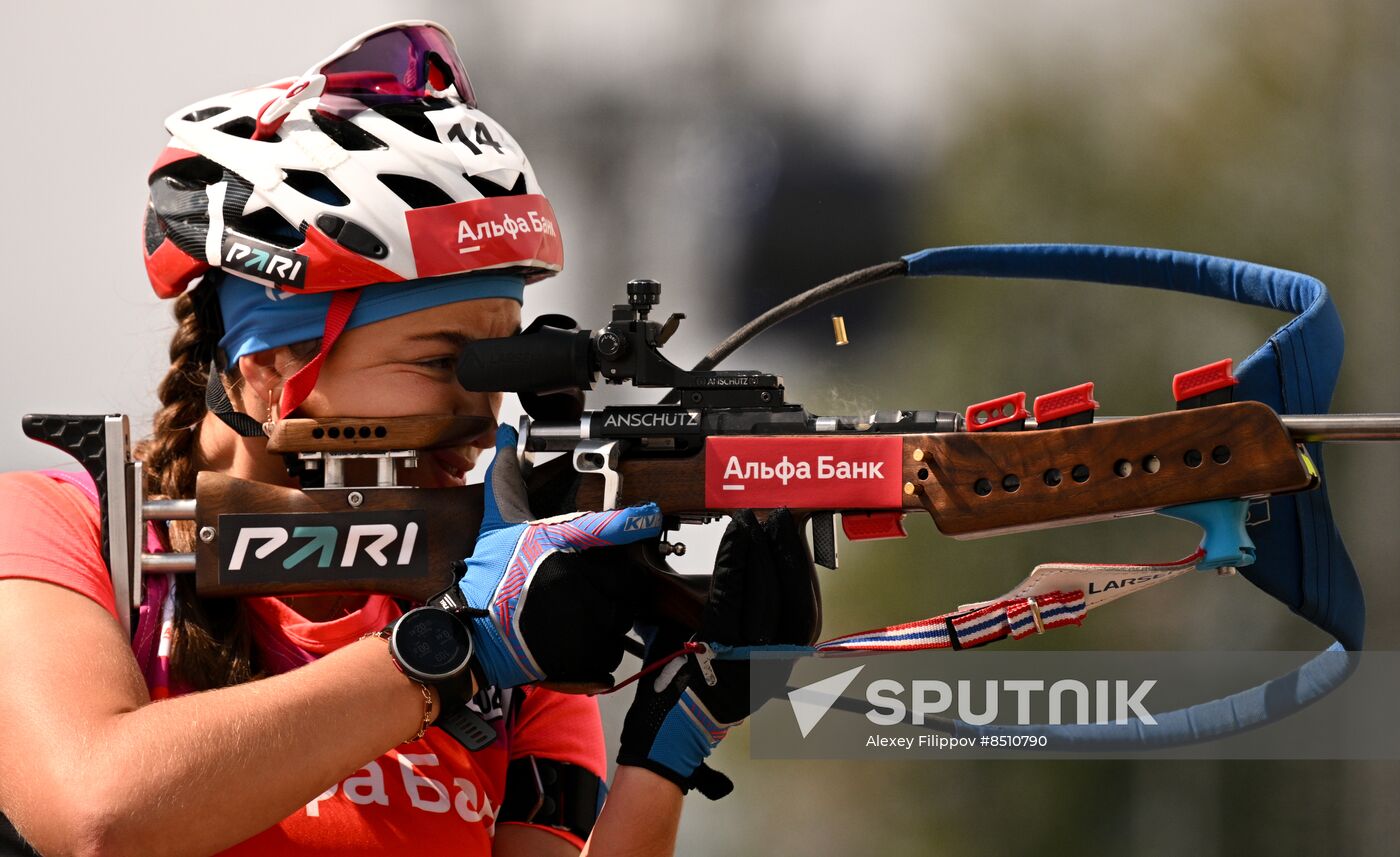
{"x":267,"y":225}
{"x":155,"y":231}
{"x":487,"y":188}
{"x":244,"y":126}
{"x":346,"y":134}
{"x":190,"y":173}
{"x":317,"y":186}
{"x":417,"y":192}
{"x":203,"y":113}
{"x":410,"y":115}
{"x":352,"y":236}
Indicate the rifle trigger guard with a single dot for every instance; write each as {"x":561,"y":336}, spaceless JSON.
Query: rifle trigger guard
{"x":600,"y":457}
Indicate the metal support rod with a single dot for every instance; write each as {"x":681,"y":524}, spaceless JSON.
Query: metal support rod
{"x":168,"y":510}
{"x":167,"y":563}
{"x":335,"y":472}
{"x":138,"y":530}
{"x":120,"y":508}
{"x":1325,"y":428}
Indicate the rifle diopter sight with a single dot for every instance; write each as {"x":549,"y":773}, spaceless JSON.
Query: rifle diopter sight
{"x":552,"y":356}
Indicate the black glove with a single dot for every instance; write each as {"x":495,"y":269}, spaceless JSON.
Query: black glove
{"x":763,"y":591}
{"x":546,"y":609}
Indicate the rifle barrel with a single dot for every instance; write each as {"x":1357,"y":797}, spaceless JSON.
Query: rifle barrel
{"x":1325,"y":428}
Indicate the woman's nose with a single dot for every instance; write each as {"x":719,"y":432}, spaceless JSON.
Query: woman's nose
{"x":479,"y":405}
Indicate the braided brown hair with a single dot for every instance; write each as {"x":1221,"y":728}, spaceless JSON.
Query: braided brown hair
{"x":212,"y":645}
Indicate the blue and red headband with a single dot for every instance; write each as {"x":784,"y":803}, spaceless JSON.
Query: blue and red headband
{"x":257,"y":318}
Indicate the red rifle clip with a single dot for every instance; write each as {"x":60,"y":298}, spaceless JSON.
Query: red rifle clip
{"x":1211,"y":384}
{"x":1007,"y":413}
{"x":1070,"y":406}
{"x":863,"y":526}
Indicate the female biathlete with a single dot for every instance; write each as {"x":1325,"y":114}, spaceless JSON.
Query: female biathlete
{"x":332,"y":244}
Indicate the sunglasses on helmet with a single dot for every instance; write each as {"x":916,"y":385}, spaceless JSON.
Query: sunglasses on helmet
{"x":399,"y":62}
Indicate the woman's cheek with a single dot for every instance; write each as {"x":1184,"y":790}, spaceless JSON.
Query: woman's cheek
{"x":436,"y":397}
{"x":400,"y":394}
{"x":394,"y":391}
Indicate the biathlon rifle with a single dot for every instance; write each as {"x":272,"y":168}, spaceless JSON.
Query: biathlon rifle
{"x":1236,"y":456}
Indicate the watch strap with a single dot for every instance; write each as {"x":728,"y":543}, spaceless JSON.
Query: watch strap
{"x":457,"y":690}
{"x":466,"y":726}
{"x":452,"y":599}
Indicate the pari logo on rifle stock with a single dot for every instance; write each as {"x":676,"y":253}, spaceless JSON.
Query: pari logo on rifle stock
{"x":322,"y":546}
{"x":803,"y":472}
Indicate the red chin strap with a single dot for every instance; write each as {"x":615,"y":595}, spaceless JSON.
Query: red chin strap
{"x":300,"y":385}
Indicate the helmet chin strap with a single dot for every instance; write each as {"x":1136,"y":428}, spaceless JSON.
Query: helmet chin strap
{"x":217,"y":401}
{"x":297,"y":387}
{"x":300,"y":385}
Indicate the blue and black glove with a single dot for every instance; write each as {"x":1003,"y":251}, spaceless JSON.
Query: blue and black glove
{"x":552,"y":612}
{"x":762,"y":592}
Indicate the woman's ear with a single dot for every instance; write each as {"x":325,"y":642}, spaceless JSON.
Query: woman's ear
{"x":262,"y":380}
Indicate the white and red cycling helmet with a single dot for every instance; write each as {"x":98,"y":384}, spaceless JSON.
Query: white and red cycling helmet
{"x":375,"y":166}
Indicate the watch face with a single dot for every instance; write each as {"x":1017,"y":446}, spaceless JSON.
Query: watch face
{"x":432,"y":643}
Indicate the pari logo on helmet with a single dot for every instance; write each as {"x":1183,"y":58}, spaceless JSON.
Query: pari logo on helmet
{"x":374,"y":166}
{"x":257,"y":260}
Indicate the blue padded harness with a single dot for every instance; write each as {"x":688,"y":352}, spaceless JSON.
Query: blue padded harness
{"x":1301,"y":560}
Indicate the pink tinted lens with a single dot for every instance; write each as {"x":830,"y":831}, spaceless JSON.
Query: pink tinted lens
{"x":398,"y":65}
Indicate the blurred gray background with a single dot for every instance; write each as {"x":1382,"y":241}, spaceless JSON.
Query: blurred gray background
{"x":740,"y":152}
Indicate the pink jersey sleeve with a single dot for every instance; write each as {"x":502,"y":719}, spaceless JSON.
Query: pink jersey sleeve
{"x":49,"y":531}
{"x":562,"y":726}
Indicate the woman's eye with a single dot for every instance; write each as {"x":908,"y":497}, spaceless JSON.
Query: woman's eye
{"x":445,"y":363}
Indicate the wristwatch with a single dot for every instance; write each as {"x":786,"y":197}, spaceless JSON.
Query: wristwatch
{"x":432,"y":646}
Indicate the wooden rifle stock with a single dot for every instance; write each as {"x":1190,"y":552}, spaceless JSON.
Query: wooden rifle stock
{"x":986,"y":483}
{"x":976,"y":484}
